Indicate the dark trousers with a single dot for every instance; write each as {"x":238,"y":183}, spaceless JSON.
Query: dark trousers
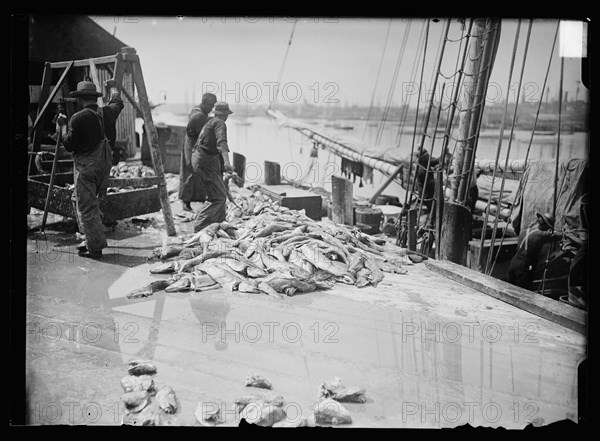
{"x":519,"y":273}
{"x":91,"y":172}
{"x":209,"y":168}
{"x":190,"y":184}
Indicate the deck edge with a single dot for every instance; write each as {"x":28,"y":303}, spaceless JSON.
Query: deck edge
{"x":561,"y":313}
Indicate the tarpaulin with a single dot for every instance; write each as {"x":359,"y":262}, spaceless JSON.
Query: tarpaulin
{"x":537,"y":194}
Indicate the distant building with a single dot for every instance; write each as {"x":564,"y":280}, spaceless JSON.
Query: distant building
{"x":55,"y":38}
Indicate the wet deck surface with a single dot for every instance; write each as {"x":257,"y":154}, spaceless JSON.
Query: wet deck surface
{"x":429,"y":352}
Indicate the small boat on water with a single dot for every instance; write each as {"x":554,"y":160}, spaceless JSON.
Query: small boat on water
{"x":339,"y":126}
{"x":544,"y":133}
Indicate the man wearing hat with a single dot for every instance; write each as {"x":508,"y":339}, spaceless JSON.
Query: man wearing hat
{"x":531,"y":243}
{"x":86,"y":136}
{"x":210,"y":159}
{"x":190,"y":187}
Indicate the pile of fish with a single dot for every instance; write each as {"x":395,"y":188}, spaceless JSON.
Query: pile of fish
{"x":145,"y":403}
{"x":267,"y":409}
{"x":263,"y":247}
{"x":124,"y":170}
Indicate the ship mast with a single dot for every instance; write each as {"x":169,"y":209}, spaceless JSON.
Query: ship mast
{"x":456,"y":226}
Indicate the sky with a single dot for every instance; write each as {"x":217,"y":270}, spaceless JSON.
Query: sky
{"x":330,"y":61}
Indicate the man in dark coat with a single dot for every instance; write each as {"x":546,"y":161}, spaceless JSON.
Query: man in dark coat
{"x":210,"y":160}
{"x":190,"y":185}
{"x":531,"y":243}
{"x":90,"y":136}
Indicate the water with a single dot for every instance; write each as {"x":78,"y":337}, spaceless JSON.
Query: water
{"x":260,"y":139}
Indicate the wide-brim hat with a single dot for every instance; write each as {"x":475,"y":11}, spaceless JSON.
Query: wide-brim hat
{"x":85,"y":88}
{"x":547,"y":218}
{"x":221,"y":108}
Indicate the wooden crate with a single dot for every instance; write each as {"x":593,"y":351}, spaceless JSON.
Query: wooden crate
{"x":114,"y":206}
{"x":296,"y":199}
{"x":508,"y":250}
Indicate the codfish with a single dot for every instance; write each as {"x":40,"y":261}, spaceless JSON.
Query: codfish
{"x":281,"y":284}
{"x":257,"y":380}
{"x":223,"y":275}
{"x":148,"y":290}
{"x":335,"y":390}
{"x":376,"y":274}
{"x":165,"y":252}
{"x":166,"y":399}
{"x":133,"y":383}
{"x":254,"y":397}
{"x":205,"y":235}
{"x":329,"y":411}
{"x":163,"y":268}
{"x":141,"y":367}
{"x":183,"y":284}
{"x":362,"y":277}
{"x":356,"y":264}
{"x":322,"y":262}
{"x":200,"y":282}
{"x":188,"y":253}
{"x":135,"y":401}
{"x":391,"y":268}
{"x":263,"y":414}
{"x":277,"y":265}
{"x":267,"y":289}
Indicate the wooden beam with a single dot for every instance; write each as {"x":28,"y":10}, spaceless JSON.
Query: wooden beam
{"x":52,"y":95}
{"x":96,"y":81}
{"x":456,"y":233}
{"x":83,"y":63}
{"x":413,"y":224}
{"x":439,"y":210}
{"x":272,"y":173}
{"x":239,"y":166}
{"x":44,"y":92}
{"x":534,"y":303}
{"x":342,"y":207}
{"x":152,"y":136}
{"x":117,"y":74}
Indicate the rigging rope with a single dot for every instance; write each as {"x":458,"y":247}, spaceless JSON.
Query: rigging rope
{"x":437,"y":121}
{"x":377,"y":78}
{"x":430,"y":106}
{"x":487,"y":209}
{"x":283,"y":65}
{"x":413,"y":74}
{"x":512,"y":129}
{"x":454,"y":102}
{"x":521,"y":185}
{"x":392,"y":85}
{"x":412,"y":149}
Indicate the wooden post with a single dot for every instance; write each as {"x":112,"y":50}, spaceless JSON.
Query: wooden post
{"x":341,"y":193}
{"x":152,"y":137}
{"x":469,"y":92}
{"x":44,"y":92}
{"x":272,"y":173}
{"x":413,"y":224}
{"x":488,"y":57}
{"x":42,"y":113}
{"x":439,"y":210}
{"x":239,"y":166}
{"x":455,"y":233}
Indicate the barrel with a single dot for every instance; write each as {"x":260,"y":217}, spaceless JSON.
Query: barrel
{"x":369,"y":216}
